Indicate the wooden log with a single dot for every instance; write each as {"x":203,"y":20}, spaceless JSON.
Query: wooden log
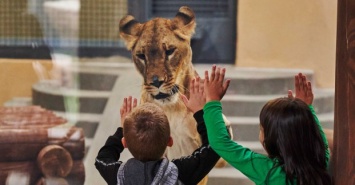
{"x":29,"y":170}
{"x":54,"y":161}
{"x":25,"y":144}
{"x":77,"y":174}
{"x":30,"y":124}
{"x":28,"y":117}
{"x":76,"y":149}
{"x":29,"y":151}
{"x":19,"y":173}
{"x":53,"y":135}
{"x":26,"y":112}
{"x":22,"y":109}
{"x":12,"y":121}
{"x":30,"y":133}
{"x":15,"y":120}
{"x":46,"y":113}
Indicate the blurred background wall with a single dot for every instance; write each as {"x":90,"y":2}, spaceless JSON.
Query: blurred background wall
{"x":288,"y":34}
{"x":269,"y":34}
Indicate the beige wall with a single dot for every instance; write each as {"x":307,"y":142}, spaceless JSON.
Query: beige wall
{"x":18,"y":76}
{"x":288,"y":34}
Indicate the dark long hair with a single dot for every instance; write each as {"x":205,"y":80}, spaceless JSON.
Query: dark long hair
{"x":292,"y":136}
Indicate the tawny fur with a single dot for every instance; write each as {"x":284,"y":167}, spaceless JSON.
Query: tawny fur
{"x":162,"y":55}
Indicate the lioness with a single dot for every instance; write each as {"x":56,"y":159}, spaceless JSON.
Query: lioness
{"x":162,"y":54}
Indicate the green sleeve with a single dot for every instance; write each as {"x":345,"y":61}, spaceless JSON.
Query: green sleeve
{"x":327,"y":153}
{"x":255,"y":166}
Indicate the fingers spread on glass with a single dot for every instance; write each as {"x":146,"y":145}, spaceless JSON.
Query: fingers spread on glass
{"x":215,"y":86}
{"x":197,"y":98}
{"x":129,"y":103}
{"x":303,"y":89}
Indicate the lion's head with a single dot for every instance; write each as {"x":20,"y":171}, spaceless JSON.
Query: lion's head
{"x":161,"y":53}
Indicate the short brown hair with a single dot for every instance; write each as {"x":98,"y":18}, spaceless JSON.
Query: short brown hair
{"x":146,"y":130}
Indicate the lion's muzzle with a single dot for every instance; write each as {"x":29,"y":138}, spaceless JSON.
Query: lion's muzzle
{"x":161,"y":95}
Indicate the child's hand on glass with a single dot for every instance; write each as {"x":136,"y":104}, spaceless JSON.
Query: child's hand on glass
{"x":303,"y":89}
{"x":197,"y":96}
{"x":128,"y":104}
{"x":215,"y":86}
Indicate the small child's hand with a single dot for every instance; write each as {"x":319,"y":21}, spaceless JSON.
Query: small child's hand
{"x":303,"y":89}
{"x":197,"y":96}
{"x":215,"y":87}
{"x":126,"y":107}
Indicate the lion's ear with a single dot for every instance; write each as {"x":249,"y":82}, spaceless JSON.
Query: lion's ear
{"x":184,"y":23}
{"x":130,"y":30}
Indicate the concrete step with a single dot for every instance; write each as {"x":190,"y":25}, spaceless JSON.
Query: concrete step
{"x":227,"y":176}
{"x":258,"y":81}
{"x":63,"y":99}
{"x":88,"y":122}
{"x":18,"y":102}
{"x":85,"y":88}
{"x":251,"y":105}
{"x":97,"y":79}
{"x":88,"y":144}
{"x":247,"y":128}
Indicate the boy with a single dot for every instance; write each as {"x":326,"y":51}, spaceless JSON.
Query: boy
{"x":146,"y":134}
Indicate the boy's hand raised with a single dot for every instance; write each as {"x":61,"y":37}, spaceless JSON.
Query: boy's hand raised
{"x":215,"y":87}
{"x":303,"y":89}
{"x":128,"y":104}
{"x":197,"y":96}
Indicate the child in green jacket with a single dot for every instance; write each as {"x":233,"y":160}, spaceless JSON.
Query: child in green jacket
{"x":290,"y":132}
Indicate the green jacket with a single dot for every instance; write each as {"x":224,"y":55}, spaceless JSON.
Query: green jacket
{"x":254,"y":165}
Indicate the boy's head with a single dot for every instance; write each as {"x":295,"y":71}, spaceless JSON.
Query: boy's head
{"x":146,"y":132}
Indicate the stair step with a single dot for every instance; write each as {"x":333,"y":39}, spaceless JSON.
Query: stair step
{"x":88,"y":143}
{"x":57,"y":98}
{"x":88,"y":122}
{"x":251,"y":105}
{"x":257,"y":81}
{"x":75,"y":117}
{"x":99,"y":79}
{"x":247,"y":128}
{"x":18,"y":102}
{"x":95,"y":81}
{"x":227,"y":176}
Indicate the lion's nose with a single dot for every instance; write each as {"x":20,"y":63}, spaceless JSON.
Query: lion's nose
{"x":156,"y":81}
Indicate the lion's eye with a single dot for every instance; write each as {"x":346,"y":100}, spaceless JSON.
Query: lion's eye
{"x":169,"y":51}
{"x":141,"y":56}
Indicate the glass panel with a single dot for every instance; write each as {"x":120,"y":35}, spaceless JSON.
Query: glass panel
{"x":65,"y":71}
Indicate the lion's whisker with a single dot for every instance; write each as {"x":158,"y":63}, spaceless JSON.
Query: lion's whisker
{"x":183,"y":88}
{"x":189,"y":75}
